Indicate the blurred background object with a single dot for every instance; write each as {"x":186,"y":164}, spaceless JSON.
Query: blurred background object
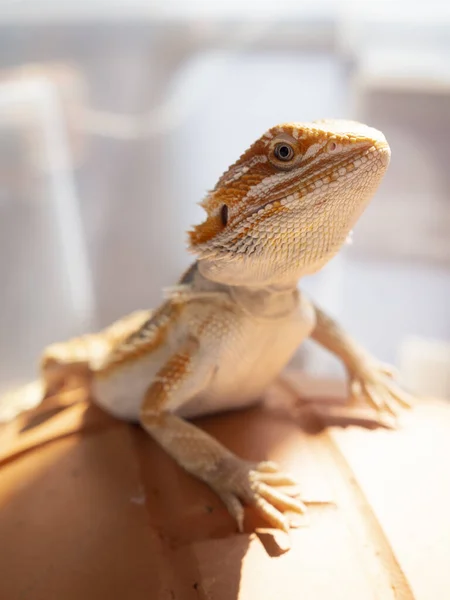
{"x":117,"y":116}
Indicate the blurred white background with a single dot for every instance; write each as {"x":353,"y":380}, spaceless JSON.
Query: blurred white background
{"x":117,"y":116}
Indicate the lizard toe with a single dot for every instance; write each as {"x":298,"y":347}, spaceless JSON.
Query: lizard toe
{"x":270,"y":492}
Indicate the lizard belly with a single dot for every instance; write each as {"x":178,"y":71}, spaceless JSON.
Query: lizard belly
{"x":243,"y":364}
{"x":122,"y":392}
{"x":250,"y":361}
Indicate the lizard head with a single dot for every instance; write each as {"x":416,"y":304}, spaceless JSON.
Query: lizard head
{"x":286,"y":207}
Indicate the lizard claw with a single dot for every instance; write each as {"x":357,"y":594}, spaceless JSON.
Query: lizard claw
{"x":375,"y":383}
{"x":263,"y":486}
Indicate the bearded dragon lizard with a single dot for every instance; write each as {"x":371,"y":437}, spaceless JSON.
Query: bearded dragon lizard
{"x":236,"y":317}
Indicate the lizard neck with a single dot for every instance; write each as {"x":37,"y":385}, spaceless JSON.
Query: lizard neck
{"x":267,"y":302}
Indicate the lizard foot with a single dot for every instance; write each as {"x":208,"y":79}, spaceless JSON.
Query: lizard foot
{"x":261,"y":485}
{"x":376,"y":383}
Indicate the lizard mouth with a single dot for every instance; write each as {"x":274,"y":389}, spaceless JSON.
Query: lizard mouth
{"x":312,"y":186}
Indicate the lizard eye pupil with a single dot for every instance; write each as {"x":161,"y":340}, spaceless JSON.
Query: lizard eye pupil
{"x":284,"y":152}
{"x":224,"y":214}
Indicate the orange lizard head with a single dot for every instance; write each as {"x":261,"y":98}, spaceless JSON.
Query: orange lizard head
{"x":290,"y":201}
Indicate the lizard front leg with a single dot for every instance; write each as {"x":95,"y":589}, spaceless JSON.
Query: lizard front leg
{"x":236,"y":481}
{"x":368,"y":378}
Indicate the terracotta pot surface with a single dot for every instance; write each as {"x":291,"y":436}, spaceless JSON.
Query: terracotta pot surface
{"x":92,"y":508}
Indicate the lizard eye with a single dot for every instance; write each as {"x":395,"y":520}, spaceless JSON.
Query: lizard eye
{"x":284,"y":152}
{"x":224,"y":214}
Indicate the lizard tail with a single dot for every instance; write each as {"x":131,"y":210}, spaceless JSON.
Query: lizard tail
{"x":21,"y":399}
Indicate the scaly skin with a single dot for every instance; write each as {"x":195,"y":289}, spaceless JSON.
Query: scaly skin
{"x":236,"y":317}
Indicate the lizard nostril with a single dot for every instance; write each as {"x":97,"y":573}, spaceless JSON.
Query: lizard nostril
{"x":332,"y":146}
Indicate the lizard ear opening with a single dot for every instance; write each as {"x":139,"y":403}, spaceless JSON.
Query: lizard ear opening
{"x":224,"y":214}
